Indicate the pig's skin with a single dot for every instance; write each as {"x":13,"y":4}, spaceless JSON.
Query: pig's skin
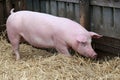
{"x":46,"y":31}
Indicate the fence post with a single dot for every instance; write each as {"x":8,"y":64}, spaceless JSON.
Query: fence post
{"x":19,"y":5}
{"x":8,"y":7}
{"x":85,"y":14}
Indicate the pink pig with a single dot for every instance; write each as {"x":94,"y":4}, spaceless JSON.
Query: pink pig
{"x":47,"y":31}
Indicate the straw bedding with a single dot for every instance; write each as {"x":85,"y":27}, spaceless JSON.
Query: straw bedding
{"x":37,"y":64}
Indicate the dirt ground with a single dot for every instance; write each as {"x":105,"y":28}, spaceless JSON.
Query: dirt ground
{"x":37,"y":64}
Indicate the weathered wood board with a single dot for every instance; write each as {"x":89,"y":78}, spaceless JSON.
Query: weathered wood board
{"x":105,"y":20}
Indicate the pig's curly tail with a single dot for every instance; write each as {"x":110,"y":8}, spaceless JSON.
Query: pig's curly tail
{"x":11,"y":11}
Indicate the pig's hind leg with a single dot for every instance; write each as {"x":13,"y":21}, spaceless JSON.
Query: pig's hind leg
{"x":14,"y":40}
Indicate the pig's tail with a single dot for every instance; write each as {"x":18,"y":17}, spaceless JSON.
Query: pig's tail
{"x":11,"y":11}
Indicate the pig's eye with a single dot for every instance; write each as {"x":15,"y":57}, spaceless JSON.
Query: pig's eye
{"x":83,"y":44}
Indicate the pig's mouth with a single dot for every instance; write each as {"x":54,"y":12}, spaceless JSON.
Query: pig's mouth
{"x":93,"y":56}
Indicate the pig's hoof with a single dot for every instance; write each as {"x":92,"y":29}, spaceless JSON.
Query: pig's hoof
{"x":17,"y":58}
{"x":68,"y":56}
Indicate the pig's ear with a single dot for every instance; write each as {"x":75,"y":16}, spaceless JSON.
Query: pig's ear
{"x":95,"y":35}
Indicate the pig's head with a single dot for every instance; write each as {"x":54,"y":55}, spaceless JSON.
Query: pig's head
{"x":84,"y":46}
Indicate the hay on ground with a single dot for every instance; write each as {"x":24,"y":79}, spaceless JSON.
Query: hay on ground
{"x":37,"y":64}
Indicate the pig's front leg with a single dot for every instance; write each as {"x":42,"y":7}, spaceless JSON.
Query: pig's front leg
{"x":63,"y":50}
{"x":61,"y":46}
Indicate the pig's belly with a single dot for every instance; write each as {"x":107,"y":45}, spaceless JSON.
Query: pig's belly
{"x":37,"y":41}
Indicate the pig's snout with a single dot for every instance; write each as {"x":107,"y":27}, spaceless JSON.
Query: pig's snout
{"x":94,"y":56}
{"x":90,"y":55}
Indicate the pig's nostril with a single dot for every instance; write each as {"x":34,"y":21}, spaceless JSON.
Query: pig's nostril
{"x":95,"y":56}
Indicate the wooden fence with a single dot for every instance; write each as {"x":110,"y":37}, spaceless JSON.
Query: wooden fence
{"x":64,"y":8}
{"x":73,"y":9}
{"x":2,"y":14}
{"x":105,"y":19}
{"x":76,"y":10}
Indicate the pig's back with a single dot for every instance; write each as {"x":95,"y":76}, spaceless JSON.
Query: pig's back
{"x":44,"y":20}
{"x":41,"y":23}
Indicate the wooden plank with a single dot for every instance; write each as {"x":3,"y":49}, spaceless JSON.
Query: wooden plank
{"x":29,"y":4}
{"x":117,"y":23}
{"x":36,"y":5}
{"x":23,"y":4}
{"x":43,"y":6}
{"x":2,"y":16}
{"x":77,"y":14}
{"x":108,"y":22}
{"x":108,"y":44}
{"x":107,"y":3}
{"x":1,"y":13}
{"x":19,"y":4}
{"x":8,"y":7}
{"x":70,"y":1}
{"x":69,"y":9}
{"x":84,"y":14}
{"x":96,"y":19}
{"x":61,"y":9}
{"x":53,"y":5}
{"x":16,"y":5}
{"x":47,"y":3}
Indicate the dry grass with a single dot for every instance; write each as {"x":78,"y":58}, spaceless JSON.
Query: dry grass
{"x":36,"y":64}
